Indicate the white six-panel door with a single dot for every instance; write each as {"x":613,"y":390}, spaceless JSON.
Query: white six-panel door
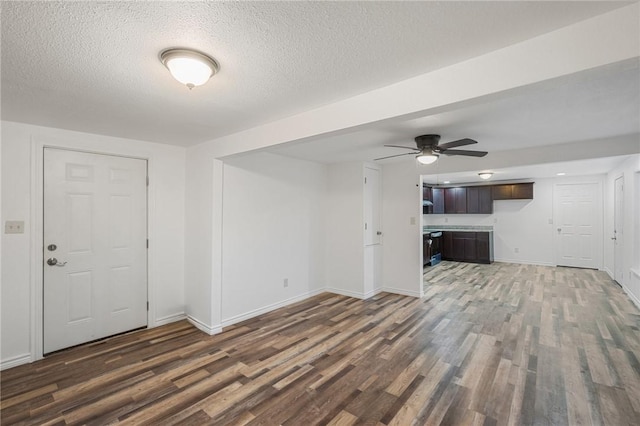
{"x":95,"y":247}
{"x":578,"y":221}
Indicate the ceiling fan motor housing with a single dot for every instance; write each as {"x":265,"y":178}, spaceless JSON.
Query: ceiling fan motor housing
{"x":426,"y":141}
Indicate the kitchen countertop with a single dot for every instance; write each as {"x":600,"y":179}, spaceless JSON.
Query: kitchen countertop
{"x":460,"y":228}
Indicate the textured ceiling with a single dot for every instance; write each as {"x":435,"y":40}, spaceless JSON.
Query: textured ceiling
{"x":599,"y":104}
{"x":93,"y":66}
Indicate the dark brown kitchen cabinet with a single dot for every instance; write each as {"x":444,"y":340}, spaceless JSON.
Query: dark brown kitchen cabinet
{"x":437,"y":195}
{"x":455,"y":200}
{"x":483,"y":247}
{"x":447,"y":245}
{"x":479,"y":200}
{"x":474,"y":247}
{"x":473,"y":199}
{"x":522,"y":191}
{"x":515,"y":191}
{"x":427,"y":205}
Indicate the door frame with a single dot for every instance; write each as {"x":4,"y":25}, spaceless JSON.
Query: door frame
{"x":599,"y":182}
{"x":617,"y":259}
{"x":38,"y":145}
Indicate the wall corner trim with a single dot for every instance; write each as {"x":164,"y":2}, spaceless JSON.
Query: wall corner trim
{"x":348,"y":293}
{"x":169,"y":319}
{"x":402,"y":292}
{"x":210,"y":330}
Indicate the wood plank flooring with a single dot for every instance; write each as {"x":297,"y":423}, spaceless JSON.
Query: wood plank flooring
{"x":488,"y":345}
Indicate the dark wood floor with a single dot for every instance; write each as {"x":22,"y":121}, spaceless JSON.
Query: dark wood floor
{"x":488,"y":344}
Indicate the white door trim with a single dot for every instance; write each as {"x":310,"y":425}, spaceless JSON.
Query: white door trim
{"x":619,"y":242}
{"x":37,"y":231}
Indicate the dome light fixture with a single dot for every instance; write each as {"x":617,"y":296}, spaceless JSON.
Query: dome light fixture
{"x":427,"y":157}
{"x":188,"y":66}
{"x":485,"y":175}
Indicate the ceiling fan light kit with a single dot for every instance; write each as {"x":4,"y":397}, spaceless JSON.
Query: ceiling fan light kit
{"x":485,"y":175}
{"x":429,"y":149}
{"x":190,"y":67}
{"x":427,"y":158}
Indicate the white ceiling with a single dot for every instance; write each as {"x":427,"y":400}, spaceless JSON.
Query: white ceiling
{"x":600,"y":104}
{"x":93,"y":67}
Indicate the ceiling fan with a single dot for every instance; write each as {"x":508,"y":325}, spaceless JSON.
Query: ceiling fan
{"x":428,"y":149}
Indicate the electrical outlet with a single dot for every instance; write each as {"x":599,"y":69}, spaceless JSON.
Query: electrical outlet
{"x":286,"y":282}
{"x":412,"y":220}
{"x":446,"y":220}
{"x":516,"y":250}
{"x":495,"y":220}
{"x":550,"y":221}
{"x":14,"y":227}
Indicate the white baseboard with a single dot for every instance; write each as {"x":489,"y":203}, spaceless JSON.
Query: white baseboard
{"x":263,"y":310}
{"x":608,"y":271}
{"x":170,"y":318}
{"x":525,"y":262}
{"x":635,"y":298}
{"x":15,"y":361}
{"x":402,"y":292}
{"x":348,"y":293}
{"x":210,"y":330}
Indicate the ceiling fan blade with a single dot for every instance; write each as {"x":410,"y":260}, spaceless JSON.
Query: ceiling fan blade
{"x":405,"y":147}
{"x":463,"y":152}
{"x":391,"y":156}
{"x":459,"y":142}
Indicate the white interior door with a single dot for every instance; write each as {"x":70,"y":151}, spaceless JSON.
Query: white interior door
{"x":578,"y":221}
{"x":618,"y":230}
{"x":95,"y":247}
{"x":372,"y":230}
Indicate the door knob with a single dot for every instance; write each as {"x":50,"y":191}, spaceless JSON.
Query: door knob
{"x":52,"y":261}
{"x":613,"y":238}
{"x":379,"y":233}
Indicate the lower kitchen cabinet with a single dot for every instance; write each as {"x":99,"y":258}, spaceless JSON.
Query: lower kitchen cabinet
{"x":464,"y":246}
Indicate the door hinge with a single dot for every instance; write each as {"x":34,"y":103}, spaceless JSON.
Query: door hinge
{"x":147,"y":243}
{"x":365,"y":226}
{"x":365,"y":180}
{"x":147,"y":180}
{"x":147,"y":305}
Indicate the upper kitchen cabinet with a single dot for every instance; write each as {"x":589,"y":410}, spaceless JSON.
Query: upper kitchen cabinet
{"x":438,"y":200}
{"x":515,"y":191}
{"x":479,"y":200}
{"x":472,"y":199}
{"x":455,"y":200}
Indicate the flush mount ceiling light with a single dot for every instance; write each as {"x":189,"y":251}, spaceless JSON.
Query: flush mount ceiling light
{"x":427,"y":157}
{"x":485,"y":175}
{"x":189,"y":67}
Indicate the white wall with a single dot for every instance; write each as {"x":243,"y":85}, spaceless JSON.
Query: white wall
{"x":198,"y":254}
{"x":630,"y":171}
{"x":19,"y":275}
{"x":273,"y":229}
{"x":345,"y":229}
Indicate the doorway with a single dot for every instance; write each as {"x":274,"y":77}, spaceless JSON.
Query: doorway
{"x":94,"y":246}
{"x":577,"y":211}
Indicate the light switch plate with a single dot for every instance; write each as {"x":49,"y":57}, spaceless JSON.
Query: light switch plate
{"x":14,"y":227}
